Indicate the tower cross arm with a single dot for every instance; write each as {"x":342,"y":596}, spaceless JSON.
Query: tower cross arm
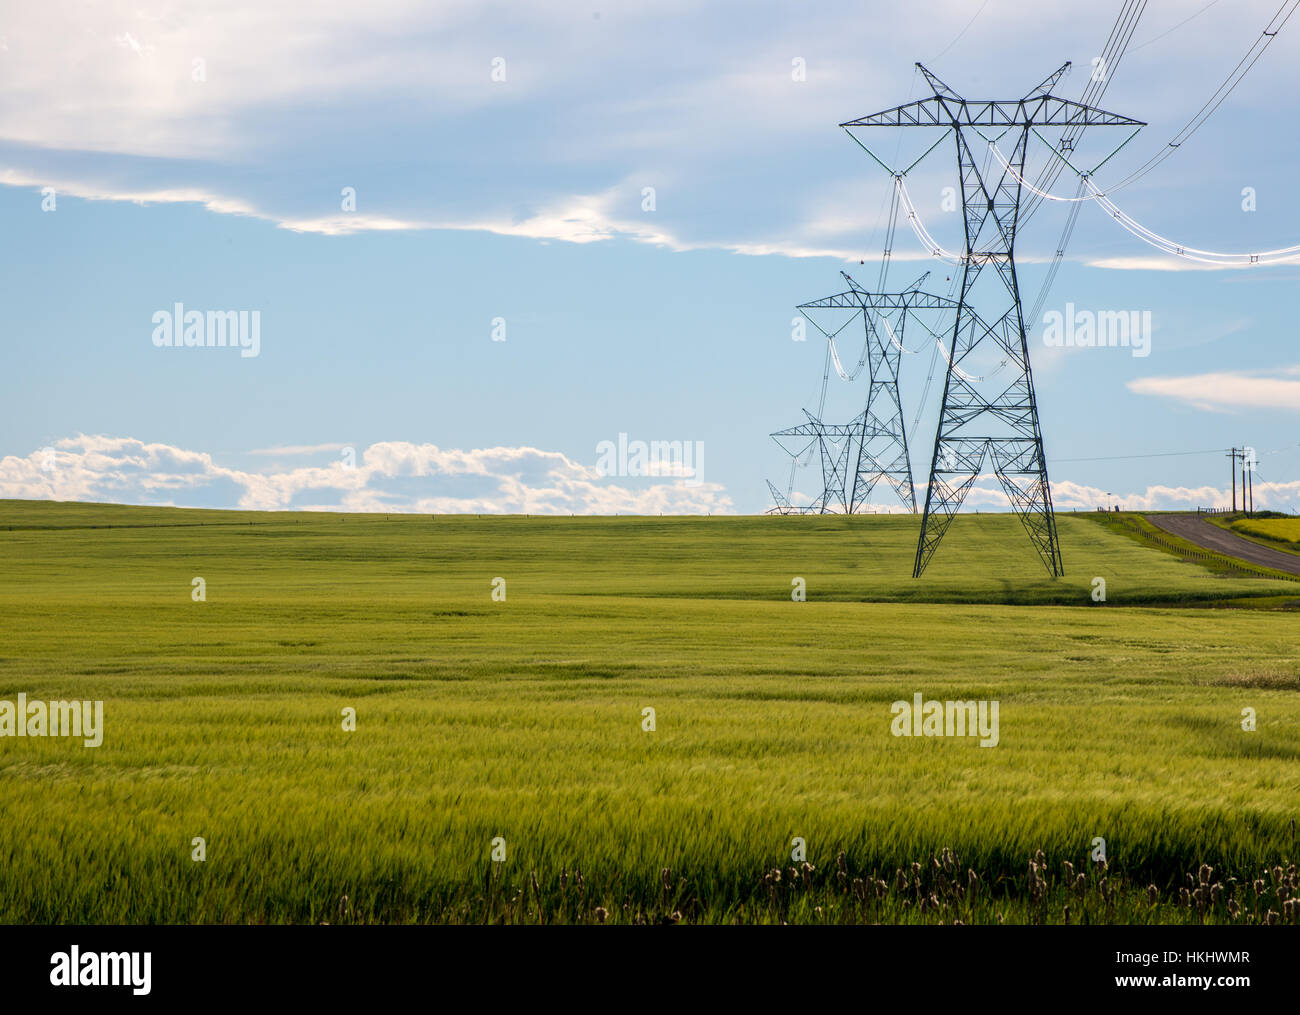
{"x":1034,"y":111}
{"x":856,"y":299}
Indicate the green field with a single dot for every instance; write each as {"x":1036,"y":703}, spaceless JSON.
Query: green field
{"x":1282,"y":533}
{"x":522,"y":720}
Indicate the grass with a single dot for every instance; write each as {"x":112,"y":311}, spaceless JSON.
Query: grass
{"x":523,"y":720}
{"x":1142,"y":529}
{"x":1279,"y":533}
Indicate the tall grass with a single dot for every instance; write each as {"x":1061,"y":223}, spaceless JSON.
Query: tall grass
{"x":522,"y":720}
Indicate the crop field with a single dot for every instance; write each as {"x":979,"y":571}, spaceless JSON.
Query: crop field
{"x":502,"y":767}
{"x":1283,"y":533}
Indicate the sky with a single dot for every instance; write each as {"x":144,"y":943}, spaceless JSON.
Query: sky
{"x":489,"y":247}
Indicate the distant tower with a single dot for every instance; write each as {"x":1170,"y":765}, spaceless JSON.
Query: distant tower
{"x":836,"y":446}
{"x":881,"y":432}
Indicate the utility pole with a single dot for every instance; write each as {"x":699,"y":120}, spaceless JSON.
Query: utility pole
{"x":1243,"y":481}
{"x":1233,"y":455}
{"x":1248,"y":479}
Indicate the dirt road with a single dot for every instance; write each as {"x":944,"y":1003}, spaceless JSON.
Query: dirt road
{"x":1197,"y":530}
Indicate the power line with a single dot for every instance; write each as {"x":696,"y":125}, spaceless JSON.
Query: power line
{"x":1153,"y":454}
{"x":962,"y":32}
{"x":1172,"y":454}
{"x":1282,"y":255}
{"x":1176,"y":27}
{"x":1230,"y":83}
{"x":1121,"y":34}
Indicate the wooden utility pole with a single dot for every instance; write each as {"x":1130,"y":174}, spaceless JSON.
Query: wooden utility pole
{"x":1233,"y":455}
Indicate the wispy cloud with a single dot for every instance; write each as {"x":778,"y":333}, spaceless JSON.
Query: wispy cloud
{"x":1226,"y":390}
{"x":1165,"y":263}
{"x":262,"y":109}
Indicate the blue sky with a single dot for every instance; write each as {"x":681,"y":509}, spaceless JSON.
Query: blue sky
{"x":219,"y":184}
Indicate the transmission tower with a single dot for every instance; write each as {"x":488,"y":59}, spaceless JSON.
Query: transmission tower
{"x":873,"y":445}
{"x":995,"y":416}
{"x":835,"y":445}
{"x":882,"y":452}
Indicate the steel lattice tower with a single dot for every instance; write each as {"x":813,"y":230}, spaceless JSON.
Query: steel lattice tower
{"x":873,"y":445}
{"x":882,"y":432}
{"x":979,"y":420}
{"x":835,"y":444}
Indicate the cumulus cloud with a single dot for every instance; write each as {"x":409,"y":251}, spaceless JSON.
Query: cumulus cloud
{"x":1225,"y":390}
{"x":987,"y":495}
{"x":397,"y":476}
{"x":393,"y":476}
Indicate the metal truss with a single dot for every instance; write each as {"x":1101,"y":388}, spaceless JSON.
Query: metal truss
{"x":872,"y":447}
{"x":991,"y":418}
{"x":882,"y":452}
{"x":836,"y":445}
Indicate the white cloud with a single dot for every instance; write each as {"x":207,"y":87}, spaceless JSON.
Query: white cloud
{"x":577,"y":219}
{"x":102,"y":102}
{"x":391,"y":476}
{"x":987,"y":495}
{"x":1225,"y":390}
{"x":1166,"y":263}
{"x":397,"y":476}
{"x":1068,"y":496}
{"x":298,"y":450}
